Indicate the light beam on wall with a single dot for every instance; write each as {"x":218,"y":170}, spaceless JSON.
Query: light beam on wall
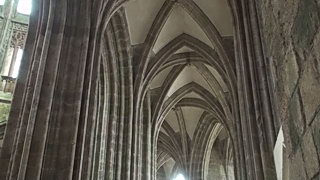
{"x":24,"y":7}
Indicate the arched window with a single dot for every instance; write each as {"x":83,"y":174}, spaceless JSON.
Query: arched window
{"x":24,"y":7}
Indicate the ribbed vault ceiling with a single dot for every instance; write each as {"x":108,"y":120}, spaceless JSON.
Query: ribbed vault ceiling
{"x":142,"y":13}
{"x":187,"y":70}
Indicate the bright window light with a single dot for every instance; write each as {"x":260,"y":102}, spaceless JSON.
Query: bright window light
{"x":24,"y":6}
{"x":17,"y":64}
{"x":179,"y":177}
{"x":2,"y":2}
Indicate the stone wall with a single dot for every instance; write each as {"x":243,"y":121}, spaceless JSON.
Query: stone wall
{"x":216,"y":169}
{"x":292,"y":43}
{"x":1,"y":141}
{"x":2,"y":130}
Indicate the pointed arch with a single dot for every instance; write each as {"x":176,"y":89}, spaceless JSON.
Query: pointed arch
{"x":178,"y":95}
{"x":202,"y":20}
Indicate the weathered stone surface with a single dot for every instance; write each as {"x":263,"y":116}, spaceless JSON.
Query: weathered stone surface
{"x":78,"y":124}
{"x":317,"y":177}
{"x":295,"y":122}
{"x":306,"y":23}
{"x":310,"y":155}
{"x":316,"y":132}
{"x":297,"y":168}
{"x":310,"y":87}
{"x":316,"y":54}
{"x":292,"y":36}
{"x":292,"y":71}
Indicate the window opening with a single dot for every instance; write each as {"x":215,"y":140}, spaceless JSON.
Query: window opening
{"x":17,"y":63}
{"x":24,"y":7}
{"x":179,"y":177}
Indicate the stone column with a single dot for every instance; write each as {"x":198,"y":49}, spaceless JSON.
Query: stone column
{"x":146,"y":160}
{"x":257,"y":119}
{"x":49,"y":134}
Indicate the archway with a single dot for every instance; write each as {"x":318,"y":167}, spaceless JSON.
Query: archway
{"x":183,"y":64}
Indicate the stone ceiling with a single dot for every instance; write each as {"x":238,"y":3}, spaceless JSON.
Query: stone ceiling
{"x":194,"y":29}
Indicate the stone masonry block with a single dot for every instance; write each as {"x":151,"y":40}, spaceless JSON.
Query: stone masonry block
{"x":310,"y":155}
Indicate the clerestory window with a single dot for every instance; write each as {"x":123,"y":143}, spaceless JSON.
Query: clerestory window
{"x":24,"y":7}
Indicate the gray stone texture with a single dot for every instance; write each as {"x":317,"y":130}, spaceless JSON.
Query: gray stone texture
{"x":83,"y":109}
{"x":292,"y":41}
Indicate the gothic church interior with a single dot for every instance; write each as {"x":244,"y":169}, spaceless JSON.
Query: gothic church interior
{"x":159,"y":90}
